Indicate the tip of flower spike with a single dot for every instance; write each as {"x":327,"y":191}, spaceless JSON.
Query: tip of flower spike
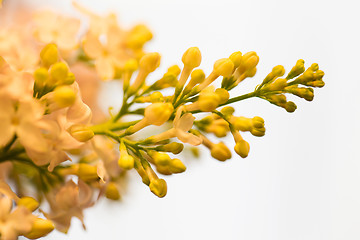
{"x":150,"y":61}
{"x":192,"y":57}
{"x":224,"y":67}
{"x":158,"y":187}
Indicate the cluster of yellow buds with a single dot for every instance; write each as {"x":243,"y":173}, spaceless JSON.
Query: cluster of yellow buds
{"x":55,"y":135}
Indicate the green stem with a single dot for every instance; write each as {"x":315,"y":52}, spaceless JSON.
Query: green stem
{"x":112,"y":126}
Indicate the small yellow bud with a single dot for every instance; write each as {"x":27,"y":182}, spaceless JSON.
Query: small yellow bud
{"x":277,"y":98}
{"x":314,"y":67}
{"x":49,"y":55}
{"x":41,"y":75}
{"x":158,"y":113}
{"x":131,"y":65}
{"x":197,"y":76}
{"x":160,"y":158}
{"x":64,"y":96}
{"x":278,"y":70}
{"x":40,"y":228}
{"x":174,"y":148}
{"x":258,"y":122}
{"x":319,"y":74}
{"x":224,"y":67}
{"x":70,"y":79}
{"x":174,"y":69}
{"x":290,"y":107}
{"x":176,"y":166}
{"x":297,"y":69}
{"x":278,"y":85}
{"x":126,"y":161}
{"x":220,"y":152}
{"x":138,"y":36}
{"x":28,"y":202}
{"x":223,"y":95}
{"x":250,"y":60}
{"x":208,"y":101}
{"x":228,"y":110}
{"x":156,"y":97}
{"x":192,"y":57}
{"x":81,"y":132}
{"x":158,"y":187}
{"x":112,"y":192}
{"x":59,"y":72}
{"x":150,"y":61}
{"x":242,"y":148}
{"x":236,"y":58}
{"x":87,"y":172}
{"x":258,"y":132}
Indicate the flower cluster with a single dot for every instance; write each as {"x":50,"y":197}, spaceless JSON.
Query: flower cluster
{"x":58,"y":146}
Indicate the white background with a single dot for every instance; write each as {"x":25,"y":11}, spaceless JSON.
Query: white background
{"x":302,"y":179}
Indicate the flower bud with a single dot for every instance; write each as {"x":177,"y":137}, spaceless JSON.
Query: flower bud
{"x":49,"y":55}
{"x":112,"y":192}
{"x":64,"y":96}
{"x":192,"y":57}
{"x":150,"y":61}
{"x":236,"y":58}
{"x":228,"y":110}
{"x":28,"y":202}
{"x":156,"y":97}
{"x":242,"y":148}
{"x":220,"y":152}
{"x":208,"y":101}
{"x":87,"y":172}
{"x":59,"y":72}
{"x":176,"y":166}
{"x":174,"y":148}
{"x":158,"y":187}
{"x":131,"y":65}
{"x":223,"y":95}
{"x":174,"y":69}
{"x":81,"y":132}
{"x":224,"y":67}
{"x":160,"y":158}
{"x":41,"y":75}
{"x":126,"y":161}
{"x":297,"y":69}
{"x":290,"y":107}
{"x":158,"y":113}
{"x":40,"y":228}
{"x":197,"y":77}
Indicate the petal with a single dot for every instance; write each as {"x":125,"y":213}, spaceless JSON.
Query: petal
{"x":21,"y":220}
{"x":79,"y":112}
{"x":5,"y":206}
{"x":186,"y":137}
{"x":186,"y":122}
{"x":92,"y":46}
{"x":105,"y":68}
{"x":7,"y":130}
{"x":31,"y":137}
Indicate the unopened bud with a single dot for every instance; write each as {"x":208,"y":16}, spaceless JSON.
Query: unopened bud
{"x":81,"y":132}
{"x":28,"y":202}
{"x":40,"y":228}
{"x":236,"y":58}
{"x":158,"y":187}
{"x":223,"y":95}
{"x":176,"y":166}
{"x":242,"y":148}
{"x":150,"y":61}
{"x":220,"y":152}
{"x":49,"y":55}
{"x":64,"y":96}
{"x":112,"y":192}
{"x":192,"y":57}
{"x":224,"y":67}
{"x":158,"y":113}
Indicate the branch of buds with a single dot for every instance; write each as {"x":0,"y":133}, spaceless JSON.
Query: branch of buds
{"x":58,"y":146}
